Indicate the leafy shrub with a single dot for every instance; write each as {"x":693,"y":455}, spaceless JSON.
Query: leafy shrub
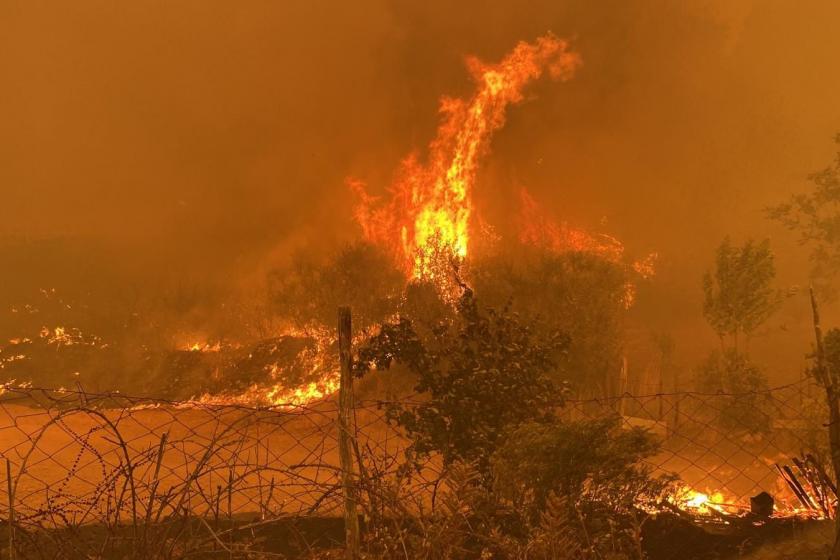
{"x":482,"y":374}
{"x":581,"y":294}
{"x":582,"y":460}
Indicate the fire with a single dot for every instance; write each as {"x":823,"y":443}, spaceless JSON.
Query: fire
{"x":67,"y":336}
{"x":716,"y":504}
{"x":203,"y":347}
{"x":315,"y":391}
{"x":316,"y":366}
{"x":700,"y":503}
{"x":538,"y":230}
{"x":426,"y":223}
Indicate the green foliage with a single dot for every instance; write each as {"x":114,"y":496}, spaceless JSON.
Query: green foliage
{"x":732,"y":373}
{"x":360,"y":275}
{"x":471,"y":522}
{"x":423,"y":302}
{"x":585,"y":479}
{"x":482,"y":373}
{"x":578,"y":293}
{"x":584,"y":461}
{"x":738,"y":295}
{"x":557,"y":536}
{"x":815,"y":217}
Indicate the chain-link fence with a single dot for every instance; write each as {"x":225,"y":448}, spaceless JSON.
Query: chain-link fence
{"x":101,"y":475}
{"x":732,"y":445}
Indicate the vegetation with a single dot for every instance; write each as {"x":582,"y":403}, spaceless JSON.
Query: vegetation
{"x":745,"y":406}
{"x":580,"y":294}
{"x":361,"y":275}
{"x":738,"y":296}
{"x":483,"y":373}
{"x":519,"y":482}
{"x":815,"y":217}
{"x":583,"y":461}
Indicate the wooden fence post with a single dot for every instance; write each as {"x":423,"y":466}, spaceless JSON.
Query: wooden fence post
{"x":828,"y":380}
{"x":345,"y":406}
{"x":11,"y":494}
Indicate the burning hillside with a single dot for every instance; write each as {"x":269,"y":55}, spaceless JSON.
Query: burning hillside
{"x":424,"y":225}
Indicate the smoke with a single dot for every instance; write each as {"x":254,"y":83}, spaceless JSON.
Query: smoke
{"x":204,"y":140}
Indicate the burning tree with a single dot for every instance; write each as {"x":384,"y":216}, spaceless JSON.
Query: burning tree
{"x":427,"y":219}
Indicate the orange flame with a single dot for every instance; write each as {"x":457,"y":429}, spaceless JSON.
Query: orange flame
{"x":426,"y":222}
{"x":716,"y":504}
{"x":703,"y":503}
{"x":540,"y":231}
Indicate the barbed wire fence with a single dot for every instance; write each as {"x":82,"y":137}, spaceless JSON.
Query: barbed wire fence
{"x":108,"y":475}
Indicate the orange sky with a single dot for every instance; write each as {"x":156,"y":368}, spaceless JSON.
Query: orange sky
{"x":216,"y":133}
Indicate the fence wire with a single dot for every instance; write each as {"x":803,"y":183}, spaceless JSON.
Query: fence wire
{"x":729,"y":444}
{"x":147,"y":472}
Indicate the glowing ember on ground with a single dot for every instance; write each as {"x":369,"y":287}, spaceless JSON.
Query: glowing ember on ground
{"x":426,"y":223}
{"x":315,"y":365}
{"x":716,"y":504}
{"x":69,"y":336}
{"x":700,"y":503}
{"x":203,"y":347}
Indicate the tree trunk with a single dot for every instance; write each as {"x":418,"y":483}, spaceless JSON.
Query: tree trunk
{"x":829,"y":382}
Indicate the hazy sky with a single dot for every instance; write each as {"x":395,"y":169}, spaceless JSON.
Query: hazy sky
{"x":216,"y":133}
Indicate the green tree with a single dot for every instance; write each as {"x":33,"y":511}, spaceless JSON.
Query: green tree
{"x":577,"y":293}
{"x":815,"y":217}
{"x":738,"y":296}
{"x":359,"y":275}
{"x":481,"y":374}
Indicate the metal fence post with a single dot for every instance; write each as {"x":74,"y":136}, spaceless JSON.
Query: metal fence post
{"x":345,"y":405}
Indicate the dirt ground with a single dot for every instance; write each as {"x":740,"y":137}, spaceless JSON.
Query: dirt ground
{"x":234,"y":459}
